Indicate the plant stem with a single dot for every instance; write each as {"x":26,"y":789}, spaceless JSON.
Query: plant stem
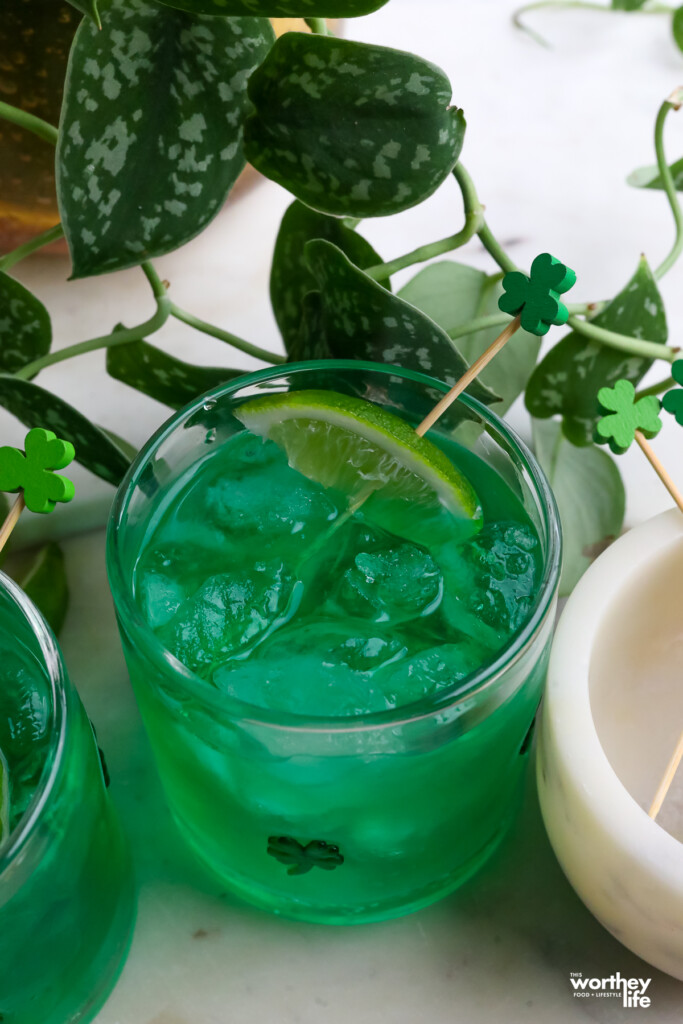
{"x":231,"y":339}
{"x":674,"y":102}
{"x":482,"y":323}
{"x":656,"y":389}
{"x":34,"y":124}
{"x":586,"y":5}
{"x":118,"y":337}
{"x":473,"y":221}
{"x":623,"y":342}
{"x":472,"y":202}
{"x":157,"y":285}
{"x":317,"y":25}
{"x":20,"y":253}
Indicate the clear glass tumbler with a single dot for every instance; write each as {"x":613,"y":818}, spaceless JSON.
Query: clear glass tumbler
{"x":66,"y":886}
{"x":411,"y":801}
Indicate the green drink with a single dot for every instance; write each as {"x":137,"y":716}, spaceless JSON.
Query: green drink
{"x":66,"y":893}
{"x":338,"y":697}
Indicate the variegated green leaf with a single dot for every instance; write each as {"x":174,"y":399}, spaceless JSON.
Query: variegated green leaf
{"x":568,"y":379}
{"x":89,"y":8}
{"x":25,"y":328}
{"x":358,"y":319}
{"x":155,"y":373}
{"x":349,"y":128}
{"x":453,"y":294}
{"x":628,"y":5}
{"x":36,"y":407}
{"x":151,"y":131}
{"x":290,"y":277}
{"x":281,"y":8}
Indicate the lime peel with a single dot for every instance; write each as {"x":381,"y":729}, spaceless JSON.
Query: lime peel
{"x":347,"y":442}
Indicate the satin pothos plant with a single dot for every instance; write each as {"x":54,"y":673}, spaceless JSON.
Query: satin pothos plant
{"x":165,"y":102}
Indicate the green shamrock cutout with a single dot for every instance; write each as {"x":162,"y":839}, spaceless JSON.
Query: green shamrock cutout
{"x":626,"y":416}
{"x":673,"y":400}
{"x":32,"y":470}
{"x":301,"y":859}
{"x":536,"y":299}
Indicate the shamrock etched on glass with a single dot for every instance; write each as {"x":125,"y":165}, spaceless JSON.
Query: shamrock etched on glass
{"x":673,"y":400}
{"x":626,"y":415}
{"x":301,"y":859}
{"x":536,"y":298}
{"x":32,"y":471}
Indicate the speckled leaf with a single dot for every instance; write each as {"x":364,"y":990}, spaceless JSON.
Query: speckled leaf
{"x":25,"y":328}
{"x":677,"y":27}
{"x":452,"y":294}
{"x":151,"y":130}
{"x":568,"y":379}
{"x":361,"y":320}
{"x":44,"y":581}
{"x":290,"y":278}
{"x":88,"y":7}
{"x":36,"y":407}
{"x":153,"y":372}
{"x":590,"y":496}
{"x":649,"y":177}
{"x":349,"y":128}
{"x":628,"y":5}
{"x":281,"y":8}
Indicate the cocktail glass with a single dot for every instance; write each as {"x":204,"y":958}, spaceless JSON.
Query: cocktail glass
{"x":66,"y":887}
{"x":351,"y":819}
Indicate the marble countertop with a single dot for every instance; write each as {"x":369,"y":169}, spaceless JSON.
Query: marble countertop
{"x":552,"y":134}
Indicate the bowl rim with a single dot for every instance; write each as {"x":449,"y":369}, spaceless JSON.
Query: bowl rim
{"x":566,"y":703}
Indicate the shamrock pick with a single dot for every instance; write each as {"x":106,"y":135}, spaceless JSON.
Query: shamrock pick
{"x":301,"y":859}
{"x":32,"y":473}
{"x":535,"y":304}
{"x":627,"y":416}
{"x":628,"y":419}
{"x":673,"y":400}
{"x":536,"y":299}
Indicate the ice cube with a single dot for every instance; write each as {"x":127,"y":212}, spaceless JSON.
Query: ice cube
{"x":160,"y":597}
{"x":24,"y":725}
{"x":430,"y":672}
{"x":490,"y":582}
{"x":290,"y":506}
{"x":316,"y":668}
{"x":392,"y":585}
{"x":228,"y":611}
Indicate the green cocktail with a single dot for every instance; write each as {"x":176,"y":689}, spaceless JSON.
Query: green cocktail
{"x":66,"y":891}
{"x":338,"y":692}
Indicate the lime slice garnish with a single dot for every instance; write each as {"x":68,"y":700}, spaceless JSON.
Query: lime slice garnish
{"x":4,"y":798}
{"x":406,"y":483}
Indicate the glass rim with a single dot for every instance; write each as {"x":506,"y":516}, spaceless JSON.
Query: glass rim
{"x":482,"y":680}
{"x":53,"y":663}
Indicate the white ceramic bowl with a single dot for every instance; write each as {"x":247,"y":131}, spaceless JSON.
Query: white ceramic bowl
{"x":612,"y":714}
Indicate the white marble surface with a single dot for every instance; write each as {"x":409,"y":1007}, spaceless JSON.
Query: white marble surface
{"x":552,"y":135}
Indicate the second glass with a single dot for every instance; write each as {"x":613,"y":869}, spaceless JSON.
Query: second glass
{"x":66,"y":885}
{"x":337,"y":819}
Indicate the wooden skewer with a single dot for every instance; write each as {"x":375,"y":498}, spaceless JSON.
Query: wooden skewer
{"x":677,"y":755}
{"x":667,"y":779}
{"x":11,"y":520}
{"x":649,"y":453}
{"x":467,"y":377}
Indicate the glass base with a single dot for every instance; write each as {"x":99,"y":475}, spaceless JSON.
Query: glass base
{"x":298,"y":910}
